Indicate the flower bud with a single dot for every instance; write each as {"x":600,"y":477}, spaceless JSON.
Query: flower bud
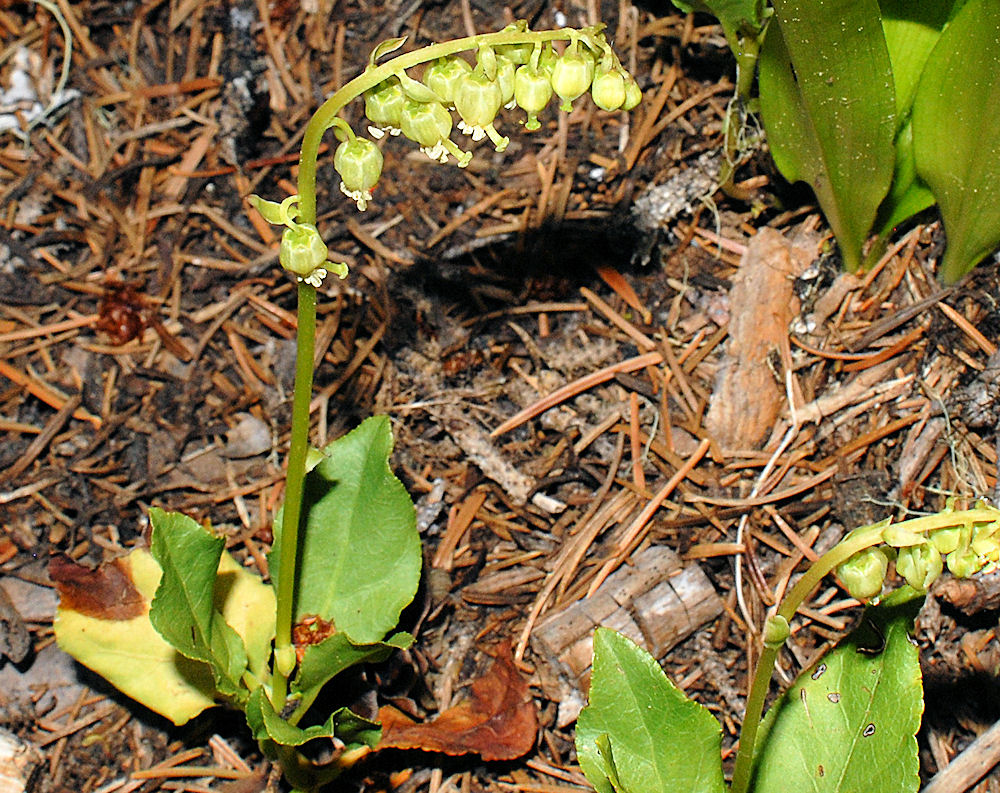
{"x":532,"y":92}
{"x":505,"y":77}
{"x":302,"y":250}
{"x":608,"y":89}
{"x":359,"y":163}
{"x":946,"y":540}
{"x":776,"y":631}
{"x":963,"y":562}
{"x":572,"y":75}
{"x":384,"y":105}
{"x":633,"y":93}
{"x":919,"y":564}
{"x":517,"y":54}
{"x":986,"y":542}
{"x":864,"y":573}
{"x":444,"y":75}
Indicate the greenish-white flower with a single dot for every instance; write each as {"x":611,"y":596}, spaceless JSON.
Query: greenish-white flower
{"x":864,"y":573}
{"x":572,"y":75}
{"x":359,"y":163}
{"x":384,"y":106}
{"x":532,"y":92}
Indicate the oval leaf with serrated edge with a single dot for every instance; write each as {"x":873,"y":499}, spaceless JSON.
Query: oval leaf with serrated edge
{"x":658,"y":740}
{"x":956,"y":137}
{"x":359,"y":550}
{"x":266,"y":723}
{"x":849,"y":724}
{"x":828,"y":107}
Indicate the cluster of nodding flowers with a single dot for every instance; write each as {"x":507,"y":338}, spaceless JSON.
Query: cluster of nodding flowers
{"x":523,"y":74}
{"x":921,"y":554}
{"x":509,"y":75}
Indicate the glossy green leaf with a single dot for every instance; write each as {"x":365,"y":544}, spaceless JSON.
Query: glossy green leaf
{"x":828,"y":107}
{"x":248,"y":606}
{"x":133,"y":657}
{"x":639,"y":733}
{"x":184,"y":610}
{"x":911,"y":31}
{"x":359,"y":555}
{"x":265,"y":723}
{"x":956,"y":138}
{"x":324,"y":661}
{"x":850,"y":723}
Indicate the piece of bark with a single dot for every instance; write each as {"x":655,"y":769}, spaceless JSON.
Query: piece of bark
{"x":19,"y":763}
{"x":747,"y":398}
{"x":655,"y":601}
{"x":970,"y":595}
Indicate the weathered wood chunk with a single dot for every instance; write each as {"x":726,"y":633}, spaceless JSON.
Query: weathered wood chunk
{"x":654,"y":601}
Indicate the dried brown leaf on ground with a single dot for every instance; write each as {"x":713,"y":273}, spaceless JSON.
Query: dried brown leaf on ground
{"x":498,"y":721}
{"x":747,"y":397}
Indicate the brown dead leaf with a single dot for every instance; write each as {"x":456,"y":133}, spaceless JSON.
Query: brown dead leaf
{"x":498,"y":721}
{"x":106,"y":592}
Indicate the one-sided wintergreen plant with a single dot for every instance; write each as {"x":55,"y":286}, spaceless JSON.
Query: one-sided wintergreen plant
{"x":880,"y":106}
{"x":849,"y":722}
{"x":182,"y":626}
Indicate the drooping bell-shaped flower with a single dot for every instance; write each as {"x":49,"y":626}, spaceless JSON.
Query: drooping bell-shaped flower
{"x":572,"y":75}
{"x":505,"y":76}
{"x":608,"y":88}
{"x":444,"y":75}
{"x":633,"y":93}
{"x":359,"y":163}
{"x":384,"y":105}
{"x":478,"y":101}
{"x":532,"y":92}
{"x":919,"y":564}
{"x":517,"y":54}
{"x":864,"y":573}
{"x":428,"y":124}
{"x":302,"y":250}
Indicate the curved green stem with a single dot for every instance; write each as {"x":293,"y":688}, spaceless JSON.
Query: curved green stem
{"x":324,"y":117}
{"x":857,"y":540}
{"x":284,"y":652}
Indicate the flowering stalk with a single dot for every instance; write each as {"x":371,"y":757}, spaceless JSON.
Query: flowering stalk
{"x":969,"y":538}
{"x":397,"y":103}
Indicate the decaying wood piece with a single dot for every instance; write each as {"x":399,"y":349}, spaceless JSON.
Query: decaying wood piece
{"x":970,"y":595}
{"x":19,"y":762}
{"x":656,"y":602}
{"x":748,"y":397}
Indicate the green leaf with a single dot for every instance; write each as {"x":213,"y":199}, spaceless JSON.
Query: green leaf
{"x":248,"y":606}
{"x":654,"y":739}
{"x":359,"y":553}
{"x":265,"y":723}
{"x":324,"y":661}
{"x":183,"y":610}
{"x":133,"y":657}
{"x":956,"y":138}
{"x":911,"y":31}
{"x":384,"y":48}
{"x":828,"y":107}
{"x":736,"y":16}
{"x":858,"y":710}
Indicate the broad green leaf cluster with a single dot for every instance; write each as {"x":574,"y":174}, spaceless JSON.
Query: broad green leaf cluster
{"x":881,"y":107}
{"x":206,"y":637}
{"x":849,"y":723}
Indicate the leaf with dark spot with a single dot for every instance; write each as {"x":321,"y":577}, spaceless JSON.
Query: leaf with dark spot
{"x":105,"y":593}
{"x":498,"y":721}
